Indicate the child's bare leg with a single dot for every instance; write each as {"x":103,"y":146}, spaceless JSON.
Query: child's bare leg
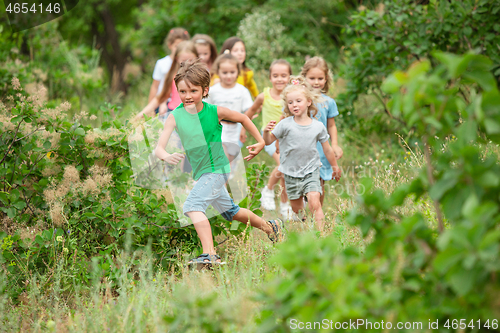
{"x":284,"y":196}
{"x":204,"y":231}
{"x":247,"y":216}
{"x":297,"y":205}
{"x":313,"y":198}
{"x":322,"y":196}
{"x":274,"y":178}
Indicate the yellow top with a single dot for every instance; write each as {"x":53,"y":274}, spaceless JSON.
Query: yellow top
{"x":271,"y":108}
{"x":245,"y":79}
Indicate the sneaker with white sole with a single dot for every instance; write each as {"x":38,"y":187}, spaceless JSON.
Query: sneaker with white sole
{"x":286,"y":210}
{"x":267,"y":199}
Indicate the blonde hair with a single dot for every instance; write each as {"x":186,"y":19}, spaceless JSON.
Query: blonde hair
{"x":320,"y":63}
{"x":300,"y":83}
{"x":206,"y":40}
{"x":185,"y":46}
{"x":195,"y":73}
{"x":225,"y":57}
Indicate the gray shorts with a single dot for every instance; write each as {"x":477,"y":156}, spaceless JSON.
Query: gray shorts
{"x":299,"y":187}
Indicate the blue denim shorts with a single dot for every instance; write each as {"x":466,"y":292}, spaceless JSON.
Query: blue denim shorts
{"x":211,"y":190}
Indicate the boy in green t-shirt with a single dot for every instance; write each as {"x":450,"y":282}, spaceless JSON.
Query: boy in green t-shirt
{"x":198,"y":125}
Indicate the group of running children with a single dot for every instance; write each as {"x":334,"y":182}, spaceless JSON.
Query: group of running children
{"x":207,"y":100}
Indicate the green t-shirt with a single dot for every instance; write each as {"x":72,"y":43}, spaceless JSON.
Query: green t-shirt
{"x":200,"y":135}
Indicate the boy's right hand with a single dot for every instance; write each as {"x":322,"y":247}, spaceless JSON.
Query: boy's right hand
{"x":270,"y":126}
{"x":253,"y":150}
{"x":174,"y":158}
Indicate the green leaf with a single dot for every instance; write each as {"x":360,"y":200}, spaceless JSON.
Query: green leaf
{"x":461,"y":280}
{"x":235,"y":224}
{"x":80,"y":131}
{"x":449,"y":180}
{"x":19,"y":205}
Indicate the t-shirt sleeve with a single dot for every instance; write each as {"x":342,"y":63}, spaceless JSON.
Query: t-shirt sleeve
{"x":246,"y":101}
{"x":162,"y":67}
{"x":278,"y":130}
{"x":332,"y":109}
{"x":323,"y":134}
{"x":157,"y":72}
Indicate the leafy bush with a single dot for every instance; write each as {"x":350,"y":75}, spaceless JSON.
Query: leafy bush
{"x":413,"y":270}
{"x":398,"y":33}
{"x":265,"y":39}
{"x":67,"y":194}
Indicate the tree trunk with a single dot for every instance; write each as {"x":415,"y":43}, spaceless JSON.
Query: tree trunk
{"x":112,"y":54}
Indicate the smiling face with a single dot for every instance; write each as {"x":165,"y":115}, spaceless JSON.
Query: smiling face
{"x":297,"y":102}
{"x":191,"y":95}
{"x":239,"y":52}
{"x":316,"y":78}
{"x":228,"y":73}
{"x":203,"y":52}
{"x":279,"y":76}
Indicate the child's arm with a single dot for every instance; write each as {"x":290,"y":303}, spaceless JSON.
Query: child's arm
{"x":225,"y":113}
{"x":251,"y":112}
{"x":255,"y":106}
{"x":330,"y":156}
{"x":160,"y":151}
{"x":332,"y":131}
{"x":268,"y":136}
{"x":149,"y":109}
{"x":153,"y":90}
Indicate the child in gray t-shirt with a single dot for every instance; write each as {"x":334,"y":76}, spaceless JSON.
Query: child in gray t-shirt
{"x":298,"y":134}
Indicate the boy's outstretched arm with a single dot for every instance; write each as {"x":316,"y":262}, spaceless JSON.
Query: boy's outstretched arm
{"x":160,"y":151}
{"x":330,"y":156}
{"x":225,"y":113}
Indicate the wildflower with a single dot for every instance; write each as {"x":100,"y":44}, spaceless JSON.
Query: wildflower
{"x":71,"y":174}
{"x":65,"y":249}
{"x":16,"y":84}
{"x":59,"y":238}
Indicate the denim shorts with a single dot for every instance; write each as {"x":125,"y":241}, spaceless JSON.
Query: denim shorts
{"x":211,"y":190}
{"x":299,"y":187}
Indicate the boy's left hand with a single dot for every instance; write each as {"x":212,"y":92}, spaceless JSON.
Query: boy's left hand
{"x":253,"y":150}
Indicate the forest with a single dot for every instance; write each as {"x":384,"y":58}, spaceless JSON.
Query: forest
{"x":412,"y":229}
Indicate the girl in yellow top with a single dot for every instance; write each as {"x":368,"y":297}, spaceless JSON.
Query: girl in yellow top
{"x":236,"y":47}
{"x":272,"y":110}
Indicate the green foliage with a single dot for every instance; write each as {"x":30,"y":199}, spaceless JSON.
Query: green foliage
{"x":413,"y":270}
{"x":66,"y":194}
{"x":399,"y":33}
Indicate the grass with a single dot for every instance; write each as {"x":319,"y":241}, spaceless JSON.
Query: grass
{"x":183,"y":300}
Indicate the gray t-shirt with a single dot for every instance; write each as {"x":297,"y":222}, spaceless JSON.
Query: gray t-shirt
{"x":298,"y":153}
